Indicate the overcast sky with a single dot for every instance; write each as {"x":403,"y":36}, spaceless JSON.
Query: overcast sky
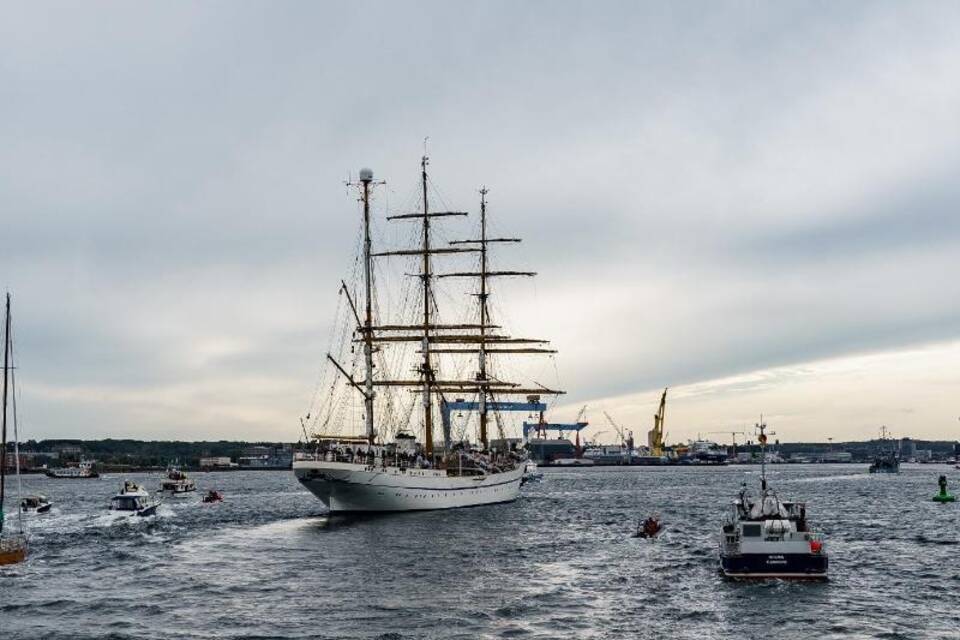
{"x":753,"y":203}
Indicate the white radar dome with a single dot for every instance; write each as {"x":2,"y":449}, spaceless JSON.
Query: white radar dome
{"x":366,"y":175}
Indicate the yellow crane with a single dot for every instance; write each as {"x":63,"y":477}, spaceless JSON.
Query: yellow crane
{"x":655,"y":436}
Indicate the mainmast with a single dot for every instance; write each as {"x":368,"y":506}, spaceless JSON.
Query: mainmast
{"x":426,"y":370}
{"x":484,"y":315}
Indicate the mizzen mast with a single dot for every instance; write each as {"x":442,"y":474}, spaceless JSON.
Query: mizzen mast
{"x":486,"y":386}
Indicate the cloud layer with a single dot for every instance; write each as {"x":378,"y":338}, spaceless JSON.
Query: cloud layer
{"x":706,"y":192}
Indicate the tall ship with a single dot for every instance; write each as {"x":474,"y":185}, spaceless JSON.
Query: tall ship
{"x":766,"y":537}
{"x":13,"y":540}
{"x":412,"y":358}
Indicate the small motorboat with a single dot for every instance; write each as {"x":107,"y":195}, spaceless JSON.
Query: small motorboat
{"x":649,"y":528}
{"x":213,"y":496}
{"x":134,"y":500}
{"x":177,"y":483}
{"x":35,"y":504}
{"x":531,"y":472}
{"x":944,"y":495}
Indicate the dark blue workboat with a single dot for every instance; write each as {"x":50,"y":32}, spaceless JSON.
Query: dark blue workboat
{"x":770,"y":538}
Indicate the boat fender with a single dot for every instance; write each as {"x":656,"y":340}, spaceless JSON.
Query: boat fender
{"x":816,"y":546}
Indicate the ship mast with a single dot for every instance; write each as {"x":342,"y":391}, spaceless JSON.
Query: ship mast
{"x":484,"y":315}
{"x":366,"y":177}
{"x":426,"y":370}
{"x":428,"y":332}
{"x":3,"y":436}
{"x":762,"y":427}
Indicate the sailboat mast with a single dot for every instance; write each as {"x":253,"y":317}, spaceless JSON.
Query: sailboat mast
{"x":484,"y":314}
{"x":425,"y":275}
{"x":3,"y":436}
{"x":366,"y":176}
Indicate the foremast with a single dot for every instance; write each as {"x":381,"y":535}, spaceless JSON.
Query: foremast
{"x":366,"y":178}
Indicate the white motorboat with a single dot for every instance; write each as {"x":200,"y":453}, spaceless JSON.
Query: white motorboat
{"x":177,"y":483}
{"x":134,"y":500}
{"x":35,"y":504}
{"x":531,"y":472}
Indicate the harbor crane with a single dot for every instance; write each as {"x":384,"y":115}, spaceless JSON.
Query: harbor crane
{"x":616,"y":427}
{"x":655,"y":436}
{"x":626,"y":436}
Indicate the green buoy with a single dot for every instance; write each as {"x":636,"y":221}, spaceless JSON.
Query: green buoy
{"x":943,"y":496}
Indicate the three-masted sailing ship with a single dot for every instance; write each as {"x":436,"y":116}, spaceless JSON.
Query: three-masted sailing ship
{"x":373,"y":472}
{"x":13,"y":543}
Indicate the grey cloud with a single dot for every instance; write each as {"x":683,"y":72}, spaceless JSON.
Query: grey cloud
{"x":703,"y":190}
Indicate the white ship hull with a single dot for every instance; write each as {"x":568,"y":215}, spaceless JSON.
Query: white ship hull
{"x":349,"y":487}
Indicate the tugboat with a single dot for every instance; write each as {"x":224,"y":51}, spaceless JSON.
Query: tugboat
{"x":769,"y":538}
{"x":887,"y":460}
{"x":35,"y":504}
{"x":134,"y":500}
{"x":177,"y":483}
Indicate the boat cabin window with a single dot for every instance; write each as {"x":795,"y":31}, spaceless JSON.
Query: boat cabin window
{"x":751,"y":531}
{"x":126,"y":504}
